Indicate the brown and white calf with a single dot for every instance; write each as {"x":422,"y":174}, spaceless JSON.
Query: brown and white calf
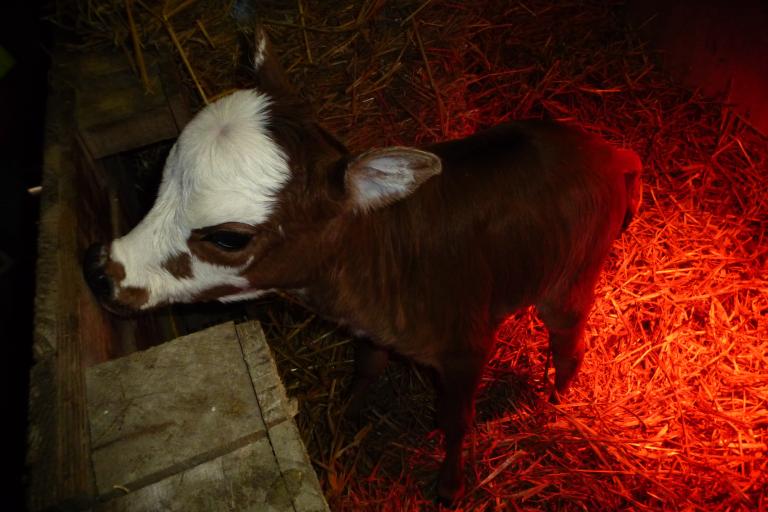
{"x":419,"y":251}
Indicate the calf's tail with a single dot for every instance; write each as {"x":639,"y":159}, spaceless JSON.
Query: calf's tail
{"x":632,"y":167}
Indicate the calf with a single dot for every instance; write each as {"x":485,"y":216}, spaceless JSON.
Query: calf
{"x":419,"y":251}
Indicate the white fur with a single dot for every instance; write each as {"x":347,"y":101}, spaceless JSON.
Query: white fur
{"x":244,"y":295}
{"x":229,"y":167}
{"x":260,"y":53}
{"x":223,"y":168}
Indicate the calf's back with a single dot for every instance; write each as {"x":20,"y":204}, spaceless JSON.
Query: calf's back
{"x":518,"y":214}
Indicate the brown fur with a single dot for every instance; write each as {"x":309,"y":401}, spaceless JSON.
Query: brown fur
{"x":522,"y":214}
{"x":517,"y":217}
{"x":216,"y":292}
{"x":179,"y":266}
{"x":115,"y":270}
{"x":132,"y":297}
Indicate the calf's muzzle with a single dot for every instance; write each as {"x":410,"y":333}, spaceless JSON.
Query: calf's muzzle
{"x":94,"y":271}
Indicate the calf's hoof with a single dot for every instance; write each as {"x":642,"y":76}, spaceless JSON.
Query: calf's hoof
{"x":450,"y":489}
{"x":558,"y":392}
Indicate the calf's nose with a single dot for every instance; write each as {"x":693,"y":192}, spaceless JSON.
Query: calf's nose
{"x":94,"y":272}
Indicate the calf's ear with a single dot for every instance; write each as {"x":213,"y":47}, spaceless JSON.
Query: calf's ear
{"x":383,"y":176}
{"x":260,"y":60}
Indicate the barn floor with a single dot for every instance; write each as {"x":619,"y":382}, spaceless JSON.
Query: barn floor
{"x":669,"y":411}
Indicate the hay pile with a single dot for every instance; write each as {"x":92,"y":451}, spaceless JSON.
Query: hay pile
{"x":670,"y":409}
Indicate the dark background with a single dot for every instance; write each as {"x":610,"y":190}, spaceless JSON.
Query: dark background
{"x":728,"y":41}
{"x":23,"y":90}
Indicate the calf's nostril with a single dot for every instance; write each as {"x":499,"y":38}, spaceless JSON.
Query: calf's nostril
{"x":94,"y":273}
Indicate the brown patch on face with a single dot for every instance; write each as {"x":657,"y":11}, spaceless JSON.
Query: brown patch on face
{"x":115,"y":271}
{"x":132,"y":296}
{"x":216,"y":292}
{"x":179,"y":266}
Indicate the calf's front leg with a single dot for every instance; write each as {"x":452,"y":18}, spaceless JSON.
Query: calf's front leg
{"x":567,"y":346}
{"x":370,"y":362}
{"x":565,"y":319}
{"x":456,"y":384}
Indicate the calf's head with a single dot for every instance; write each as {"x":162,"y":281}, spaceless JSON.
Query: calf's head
{"x":247,"y":190}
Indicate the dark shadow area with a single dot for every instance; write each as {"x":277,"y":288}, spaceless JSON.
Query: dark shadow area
{"x":23,"y":87}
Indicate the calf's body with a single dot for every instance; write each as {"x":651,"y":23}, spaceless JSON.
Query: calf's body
{"x":419,"y":251}
{"x":522,"y":214}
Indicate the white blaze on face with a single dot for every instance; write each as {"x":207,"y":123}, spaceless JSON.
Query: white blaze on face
{"x":223,"y":168}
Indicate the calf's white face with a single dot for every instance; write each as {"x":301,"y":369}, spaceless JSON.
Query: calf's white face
{"x":224,"y":168}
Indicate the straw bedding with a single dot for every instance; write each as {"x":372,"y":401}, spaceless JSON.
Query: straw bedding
{"x":669,"y":411}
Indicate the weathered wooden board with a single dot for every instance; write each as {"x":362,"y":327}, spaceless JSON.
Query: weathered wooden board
{"x":71,"y":331}
{"x":116,"y":113}
{"x":58,"y":454}
{"x":224,"y":483}
{"x":199,"y":423}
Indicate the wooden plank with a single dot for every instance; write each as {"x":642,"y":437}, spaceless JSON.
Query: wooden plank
{"x":115,"y":113}
{"x":223,"y":483}
{"x":83,"y":212}
{"x":59,"y":451}
{"x":74,"y":468}
{"x":300,"y":479}
{"x":170,"y":407}
{"x":270,"y":392}
{"x":199,"y":420}
{"x":290,"y":452}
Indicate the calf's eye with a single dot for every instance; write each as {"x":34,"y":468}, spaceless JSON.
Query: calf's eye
{"x":228,"y":240}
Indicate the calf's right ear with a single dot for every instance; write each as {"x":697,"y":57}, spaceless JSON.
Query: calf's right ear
{"x":383,"y":176}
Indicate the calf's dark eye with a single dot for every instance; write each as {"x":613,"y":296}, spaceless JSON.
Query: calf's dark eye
{"x":228,"y":240}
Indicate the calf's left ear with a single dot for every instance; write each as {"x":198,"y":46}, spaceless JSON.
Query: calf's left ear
{"x":259,"y":59}
{"x":382,"y":176}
